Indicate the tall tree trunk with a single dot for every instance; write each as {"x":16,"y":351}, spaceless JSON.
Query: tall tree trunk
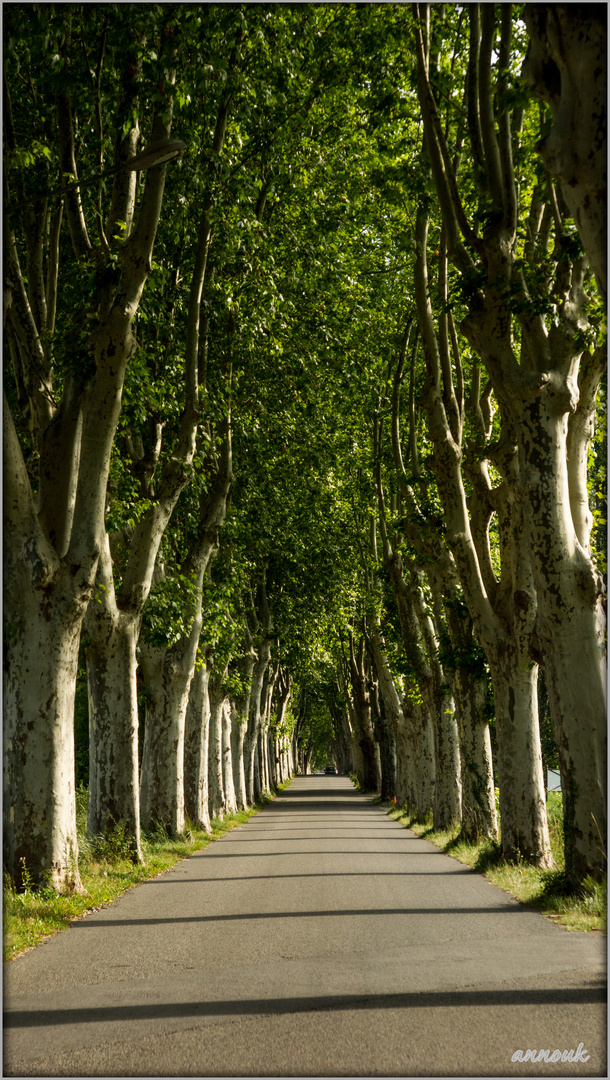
{"x":227,"y":759}
{"x":571,"y":634}
{"x":167,"y":675}
{"x":540,"y":388}
{"x":370,"y":779}
{"x":254,"y":721}
{"x":215,"y":752}
{"x":441,"y":707}
{"x":41,"y":658}
{"x":239,"y":725}
{"x":523,"y":822}
{"x":421,"y":752}
{"x":196,"y":744}
{"x":479,"y":818}
{"x":114,"y":798}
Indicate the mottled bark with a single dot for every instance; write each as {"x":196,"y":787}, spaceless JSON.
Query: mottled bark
{"x":251,"y":767}
{"x":113,"y":726}
{"x":41,"y":643}
{"x":196,"y":743}
{"x":167,"y":675}
{"x":215,"y":751}
{"x":227,"y":760}
{"x":369,"y":776}
{"x":57,"y":584}
{"x":239,"y":726}
{"x":479,"y":818}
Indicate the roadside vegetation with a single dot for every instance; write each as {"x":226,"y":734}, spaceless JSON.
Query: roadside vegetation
{"x":581,"y":908}
{"x":107,"y":870}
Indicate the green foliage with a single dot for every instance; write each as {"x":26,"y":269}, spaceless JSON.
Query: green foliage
{"x":170,"y":610}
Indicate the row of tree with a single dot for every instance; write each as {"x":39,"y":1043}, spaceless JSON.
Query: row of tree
{"x":350,"y":459}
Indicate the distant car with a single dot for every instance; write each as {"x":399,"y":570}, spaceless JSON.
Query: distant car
{"x":330,"y":770}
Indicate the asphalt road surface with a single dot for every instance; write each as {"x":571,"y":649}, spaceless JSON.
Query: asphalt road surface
{"x":319,"y":939}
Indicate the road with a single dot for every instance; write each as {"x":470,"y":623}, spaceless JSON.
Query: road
{"x":319,"y":939}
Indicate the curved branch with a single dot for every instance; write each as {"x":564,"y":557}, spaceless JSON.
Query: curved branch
{"x":443,"y":171}
{"x":67,"y":159}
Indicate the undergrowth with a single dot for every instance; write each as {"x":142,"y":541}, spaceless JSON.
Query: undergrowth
{"x":545,"y":890}
{"x":106,"y":870}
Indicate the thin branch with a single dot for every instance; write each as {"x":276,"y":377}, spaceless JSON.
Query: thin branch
{"x":444,"y":175}
{"x":74,"y":209}
{"x":509,"y":191}
{"x":486,"y":108}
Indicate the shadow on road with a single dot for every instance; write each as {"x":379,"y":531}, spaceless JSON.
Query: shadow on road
{"x":280,"y":877}
{"x":499,"y":909}
{"x":593,"y":994}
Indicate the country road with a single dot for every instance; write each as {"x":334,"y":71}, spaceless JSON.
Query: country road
{"x":321,"y":938}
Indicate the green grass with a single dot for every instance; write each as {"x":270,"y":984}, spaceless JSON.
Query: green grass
{"x":545,"y":890}
{"x":106,"y":871}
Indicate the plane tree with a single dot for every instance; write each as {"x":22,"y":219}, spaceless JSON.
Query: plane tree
{"x":77,"y":260}
{"x":531,"y":318}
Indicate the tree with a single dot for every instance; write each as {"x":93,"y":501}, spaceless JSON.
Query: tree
{"x":68,"y":373}
{"x":527,"y":320}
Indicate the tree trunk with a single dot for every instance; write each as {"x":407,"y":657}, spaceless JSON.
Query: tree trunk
{"x":421,"y":751}
{"x":196,"y":745}
{"x":167,"y":677}
{"x":114,"y":798}
{"x":523,"y":823}
{"x":227,"y":760}
{"x":254,"y":720}
{"x":215,"y":770}
{"x":41,"y":645}
{"x":52,"y":540}
{"x":479,"y":818}
{"x":239,"y":725}
{"x":387,"y":754}
{"x":571,"y":627}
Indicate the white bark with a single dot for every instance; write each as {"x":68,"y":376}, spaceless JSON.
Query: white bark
{"x":113,"y":729}
{"x":41,"y":658}
{"x":571,"y":630}
{"x":238,"y":733}
{"x":522,"y":796}
{"x":111,"y":640}
{"x":167,"y":675}
{"x":479,"y":817}
{"x":216,"y":792}
{"x":254,"y":722}
{"x":227,"y":760}
{"x":196,"y":743}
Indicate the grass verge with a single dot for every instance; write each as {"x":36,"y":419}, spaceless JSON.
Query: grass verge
{"x":544,"y":890}
{"x":106,"y":872}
